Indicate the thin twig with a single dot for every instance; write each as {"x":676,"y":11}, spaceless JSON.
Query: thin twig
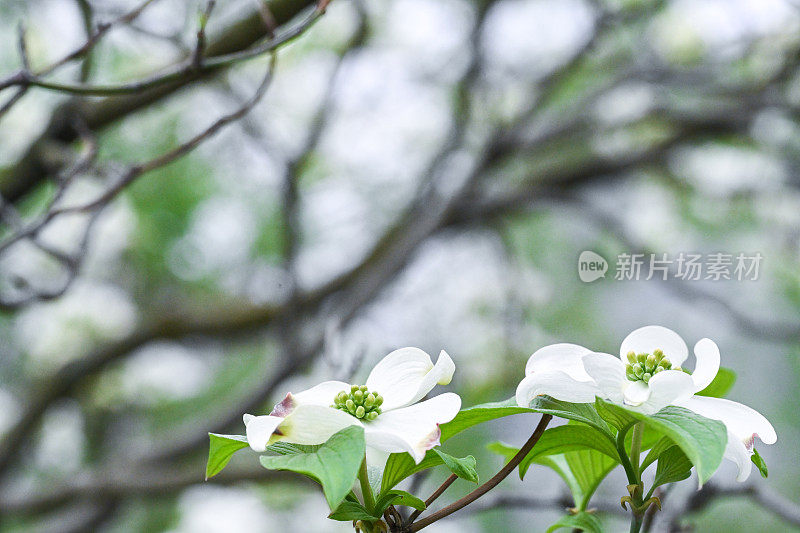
{"x":200,"y":47}
{"x":432,"y":498}
{"x":183,"y":71}
{"x":489,"y":485}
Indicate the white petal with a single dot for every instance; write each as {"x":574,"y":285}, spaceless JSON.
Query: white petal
{"x":406,"y":375}
{"x":313,"y":424}
{"x":608,"y":372}
{"x":636,"y":393}
{"x":260,"y":430}
{"x":650,"y":338}
{"x":707,"y":355}
{"x":322,"y":394}
{"x":564,"y":357}
{"x":667,"y":388}
{"x":742,"y":421}
{"x":739,"y":453}
{"x":557,"y":384}
{"x":413,"y":429}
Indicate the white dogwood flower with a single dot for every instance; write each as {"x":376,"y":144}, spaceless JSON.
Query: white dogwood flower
{"x":646,"y":377}
{"x":388,"y":407}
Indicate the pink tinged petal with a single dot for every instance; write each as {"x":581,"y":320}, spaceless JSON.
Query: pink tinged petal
{"x":322,"y":394}
{"x":285,"y":407}
{"x":260,"y":429}
{"x":563,"y":357}
{"x":636,"y":393}
{"x":667,"y":388}
{"x":413,"y":429}
{"x":608,"y":372}
{"x":707,"y":355}
{"x":406,"y":375}
{"x":650,"y":338}
{"x":313,"y":424}
{"x":741,"y":421}
{"x":557,"y":384}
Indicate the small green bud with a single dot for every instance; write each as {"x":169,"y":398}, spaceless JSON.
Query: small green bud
{"x":651,"y":360}
{"x":351,"y":406}
{"x":364,"y":389}
{"x":637,"y":369}
{"x":354,"y":388}
{"x":646,"y":377}
{"x":358,"y":396}
{"x":631,"y":357}
{"x":658,"y":369}
{"x":378,"y":400}
{"x":360,"y":411}
{"x":369,"y":401}
{"x":658,"y":353}
{"x":641,"y":358}
{"x":666,"y":363}
{"x":372,"y":415}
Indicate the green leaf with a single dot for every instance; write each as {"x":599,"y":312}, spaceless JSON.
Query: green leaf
{"x":621,"y":419}
{"x":220,"y":450}
{"x":582,"y":471}
{"x":350,"y":510}
{"x":582,"y":521}
{"x":721,"y":384}
{"x":702,"y":440}
{"x":397,"y":497}
{"x":660,"y":447}
{"x":673,"y":466}
{"x":760,"y":463}
{"x":401,"y":465}
{"x":462,"y":467}
{"x":579,"y":412}
{"x":334,"y":464}
{"x":288,"y":448}
{"x":571,"y":437}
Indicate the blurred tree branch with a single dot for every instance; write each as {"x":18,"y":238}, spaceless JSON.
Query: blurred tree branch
{"x":35,"y":166}
{"x":124,"y":481}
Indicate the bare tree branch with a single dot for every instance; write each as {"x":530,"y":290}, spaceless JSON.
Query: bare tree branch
{"x":34,"y":166}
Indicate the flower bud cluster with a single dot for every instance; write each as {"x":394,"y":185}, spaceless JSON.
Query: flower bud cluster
{"x":643,"y":366}
{"x":359,"y":402}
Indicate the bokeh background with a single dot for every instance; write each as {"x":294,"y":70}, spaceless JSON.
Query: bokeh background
{"x":419,"y":172}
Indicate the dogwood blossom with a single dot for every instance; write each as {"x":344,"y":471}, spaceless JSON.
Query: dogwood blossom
{"x":646,"y":377}
{"x":388,"y":407}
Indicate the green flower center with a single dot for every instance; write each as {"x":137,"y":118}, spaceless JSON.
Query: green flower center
{"x":643,"y":366}
{"x":359,"y":402}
